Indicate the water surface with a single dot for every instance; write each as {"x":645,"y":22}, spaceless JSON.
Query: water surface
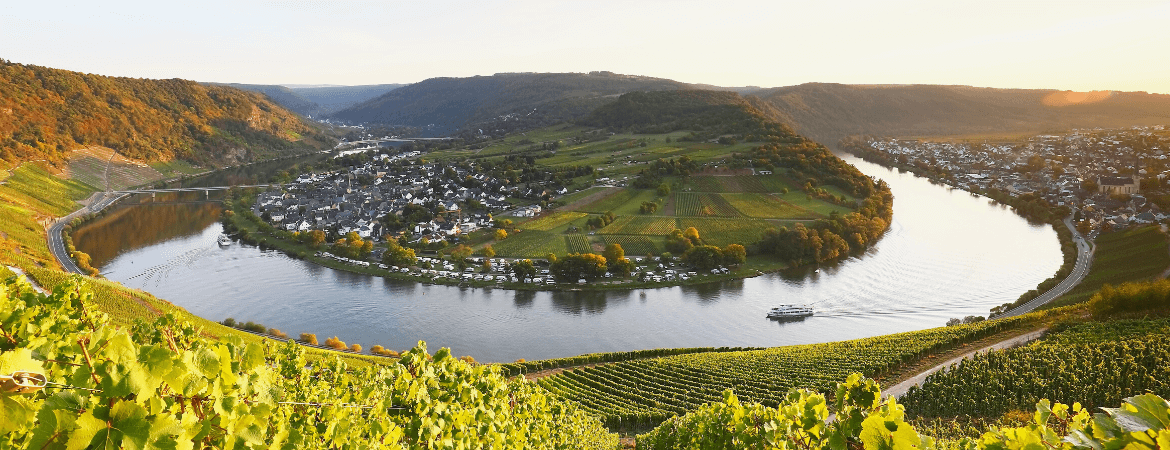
{"x":947,"y":254}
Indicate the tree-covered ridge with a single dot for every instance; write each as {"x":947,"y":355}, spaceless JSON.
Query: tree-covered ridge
{"x":69,"y":379}
{"x":443,"y":105}
{"x":46,"y":112}
{"x":712,"y":113}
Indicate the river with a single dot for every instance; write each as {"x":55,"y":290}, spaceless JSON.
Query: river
{"x":947,"y":254}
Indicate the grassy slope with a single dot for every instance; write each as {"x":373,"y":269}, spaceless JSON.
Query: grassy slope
{"x":29,"y":200}
{"x":622,"y":156}
{"x":1131,"y":255}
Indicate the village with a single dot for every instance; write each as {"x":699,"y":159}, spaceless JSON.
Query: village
{"x":1111,"y":179}
{"x":396,"y":194}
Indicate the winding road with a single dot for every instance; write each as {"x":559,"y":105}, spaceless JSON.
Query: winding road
{"x":1085,"y":251}
{"x":95,"y":203}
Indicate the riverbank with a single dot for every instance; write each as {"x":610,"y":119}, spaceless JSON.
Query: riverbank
{"x":1076,"y":249}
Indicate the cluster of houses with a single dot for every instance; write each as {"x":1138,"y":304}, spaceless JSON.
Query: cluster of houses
{"x":1058,"y":168}
{"x":357,"y":198}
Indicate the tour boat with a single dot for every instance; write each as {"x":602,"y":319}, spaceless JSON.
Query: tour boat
{"x":789,"y":312}
{"x":224,"y":240}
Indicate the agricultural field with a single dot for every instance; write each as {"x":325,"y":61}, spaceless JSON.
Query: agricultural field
{"x":703,"y":205}
{"x":552,"y":220}
{"x":1093,"y":363}
{"x":648,"y":225}
{"x":722,"y":231}
{"x":645,"y":392}
{"x":530,"y":244}
{"x":632,"y":245}
{"x":610,"y":202}
{"x":767,"y":206}
{"x":578,"y":243}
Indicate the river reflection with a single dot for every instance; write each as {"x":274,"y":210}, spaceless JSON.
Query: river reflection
{"x":947,"y":254}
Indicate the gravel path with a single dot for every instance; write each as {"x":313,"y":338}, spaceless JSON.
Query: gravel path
{"x":900,"y":389}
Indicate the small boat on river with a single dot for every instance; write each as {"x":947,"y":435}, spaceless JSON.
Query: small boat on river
{"x":224,"y":240}
{"x":789,"y":312}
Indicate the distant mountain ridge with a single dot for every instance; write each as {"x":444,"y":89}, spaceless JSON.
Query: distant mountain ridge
{"x":823,"y":111}
{"x":45,"y":113}
{"x":443,"y":105}
{"x":828,"y":112}
{"x":317,"y":100}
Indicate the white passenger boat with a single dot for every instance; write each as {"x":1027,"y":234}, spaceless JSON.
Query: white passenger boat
{"x":224,"y":240}
{"x":789,"y":312}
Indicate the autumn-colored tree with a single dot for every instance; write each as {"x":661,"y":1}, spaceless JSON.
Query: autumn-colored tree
{"x":501,"y":234}
{"x":308,"y":338}
{"x":614,"y":252}
{"x":488,"y":251}
{"x":356,"y":348}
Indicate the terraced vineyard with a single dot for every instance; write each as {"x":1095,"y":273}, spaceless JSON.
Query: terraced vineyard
{"x":1096,"y":364}
{"x":648,"y":225}
{"x":703,"y":205}
{"x":633,"y":245}
{"x":577,"y":243}
{"x":645,"y":392}
{"x":765,"y":206}
{"x":552,"y":220}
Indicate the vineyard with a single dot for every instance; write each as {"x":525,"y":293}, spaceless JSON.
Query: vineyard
{"x":766,"y":206}
{"x":530,"y":244}
{"x":1095,"y":364}
{"x":703,"y":205}
{"x":645,"y":392}
{"x":163,"y":385}
{"x":552,"y":220}
{"x":633,"y":245}
{"x":578,"y":243}
{"x":649,"y":225}
{"x":737,"y":183}
{"x":723,"y":231}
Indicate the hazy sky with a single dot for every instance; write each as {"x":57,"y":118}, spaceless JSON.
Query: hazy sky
{"x":1078,"y":45}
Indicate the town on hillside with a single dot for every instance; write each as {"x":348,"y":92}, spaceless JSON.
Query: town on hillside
{"x":1112,"y":179}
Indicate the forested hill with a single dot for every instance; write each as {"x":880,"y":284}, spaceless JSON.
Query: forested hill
{"x":317,"y":101}
{"x":713,"y":113}
{"x":45,"y":113}
{"x":443,"y":105}
{"x":828,"y":112}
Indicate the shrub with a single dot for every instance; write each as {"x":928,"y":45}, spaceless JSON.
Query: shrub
{"x":335,"y":343}
{"x":308,"y":338}
{"x":277,"y":333}
{"x":356,"y":348}
{"x":229,"y":322}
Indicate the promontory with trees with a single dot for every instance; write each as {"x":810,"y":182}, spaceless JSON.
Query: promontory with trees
{"x":655,"y":188}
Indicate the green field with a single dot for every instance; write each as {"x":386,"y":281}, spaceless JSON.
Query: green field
{"x":649,"y":225}
{"x":552,"y":220}
{"x":632,"y":245}
{"x":530,"y":244}
{"x":1131,"y":255}
{"x":721,"y":231}
{"x":767,"y":206}
{"x":703,"y":205}
{"x":610,"y":203}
